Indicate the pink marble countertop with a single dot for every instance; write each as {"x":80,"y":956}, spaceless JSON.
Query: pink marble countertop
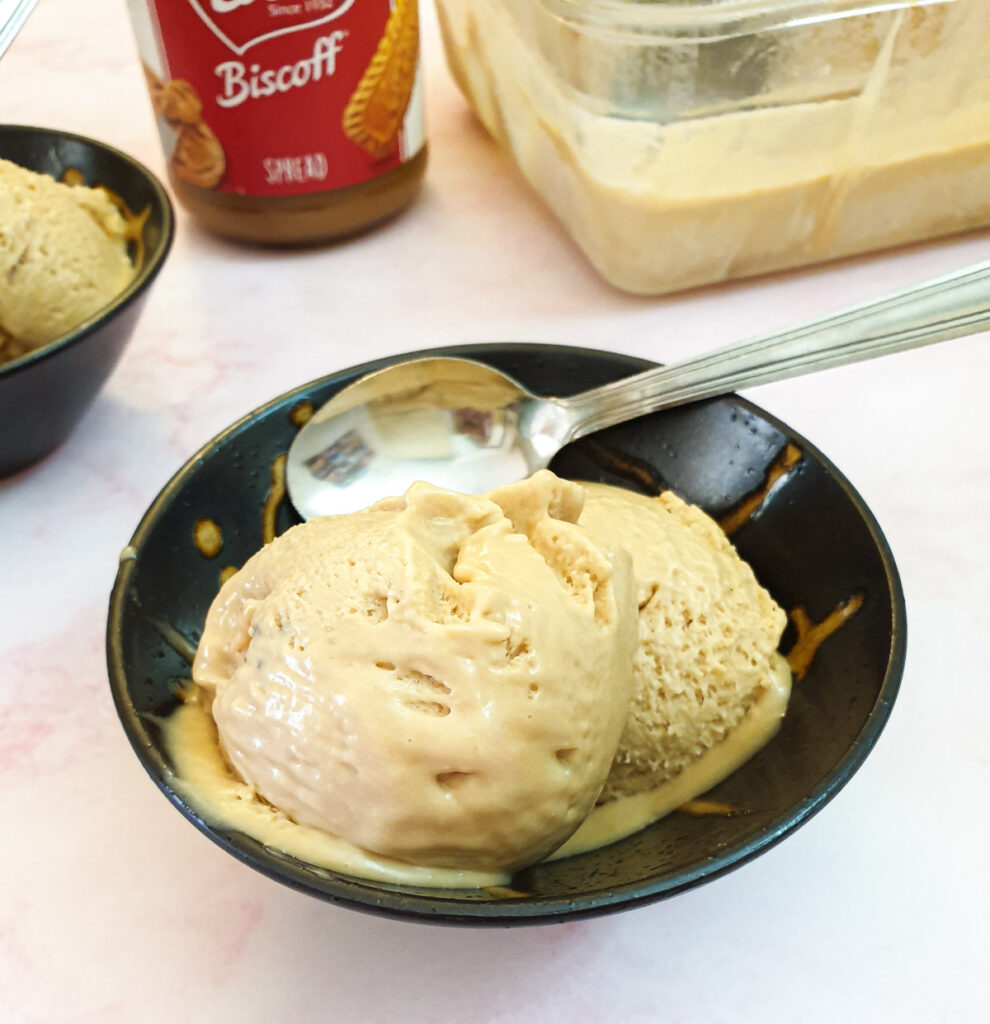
{"x":114,"y":909}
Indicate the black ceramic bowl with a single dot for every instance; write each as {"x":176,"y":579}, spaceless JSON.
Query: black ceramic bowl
{"x":43,"y":394}
{"x":814,"y":543}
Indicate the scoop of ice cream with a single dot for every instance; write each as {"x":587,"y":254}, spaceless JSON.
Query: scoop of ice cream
{"x":708,"y":633}
{"x":63,"y":257}
{"x":440,"y":679}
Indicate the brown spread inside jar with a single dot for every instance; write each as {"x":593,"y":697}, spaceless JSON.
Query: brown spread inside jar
{"x":293,"y":220}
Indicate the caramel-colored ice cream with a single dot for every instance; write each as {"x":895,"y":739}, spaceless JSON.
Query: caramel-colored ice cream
{"x":710,"y":688}
{"x":443,"y":688}
{"x":708,"y":634}
{"x":63,"y":257}
{"x":440,"y":679}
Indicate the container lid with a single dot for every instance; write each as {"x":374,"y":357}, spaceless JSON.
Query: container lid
{"x":714,"y":18}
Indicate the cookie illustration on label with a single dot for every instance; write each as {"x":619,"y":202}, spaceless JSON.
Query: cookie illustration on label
{"x":198,"y":156}
{"x":374,"y":114}
{"x":180,"y":105}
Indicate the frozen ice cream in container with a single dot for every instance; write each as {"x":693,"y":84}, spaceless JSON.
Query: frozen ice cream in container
{"x":685,"y":143}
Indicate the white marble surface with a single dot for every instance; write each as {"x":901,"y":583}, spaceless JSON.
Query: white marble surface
{"x":112,"y":908}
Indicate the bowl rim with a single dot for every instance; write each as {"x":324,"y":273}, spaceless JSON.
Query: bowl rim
{"x":379,"y":898}
{"x":153,"y":263}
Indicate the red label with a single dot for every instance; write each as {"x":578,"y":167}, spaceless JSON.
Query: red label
{"x":282,"y":98}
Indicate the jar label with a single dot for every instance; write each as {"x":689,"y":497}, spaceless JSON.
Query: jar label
{"x":268,"y":98}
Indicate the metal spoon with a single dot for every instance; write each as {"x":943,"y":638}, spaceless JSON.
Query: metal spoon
{"x":13,"y":14}
{"x":463,"y":425}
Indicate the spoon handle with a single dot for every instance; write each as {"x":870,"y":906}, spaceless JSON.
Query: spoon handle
{"x":13,"y":14}
{"x":945,"y":307}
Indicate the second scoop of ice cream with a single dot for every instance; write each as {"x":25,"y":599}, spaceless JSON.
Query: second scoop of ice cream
{"x":440,"y":679}
{"x":63,"y":257}
{"x":708,"y":635}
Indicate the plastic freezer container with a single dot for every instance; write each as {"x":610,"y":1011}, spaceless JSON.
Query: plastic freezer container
{"x":683,"y":143}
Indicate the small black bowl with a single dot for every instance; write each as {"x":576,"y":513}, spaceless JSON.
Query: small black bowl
{"x":813,"y":543}
{"x":44,"y":394}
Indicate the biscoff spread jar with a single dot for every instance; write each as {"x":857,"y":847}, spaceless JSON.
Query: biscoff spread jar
{"x":290,"y":122}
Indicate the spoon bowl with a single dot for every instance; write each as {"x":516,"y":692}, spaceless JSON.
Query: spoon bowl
{"x":455,"y":422}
